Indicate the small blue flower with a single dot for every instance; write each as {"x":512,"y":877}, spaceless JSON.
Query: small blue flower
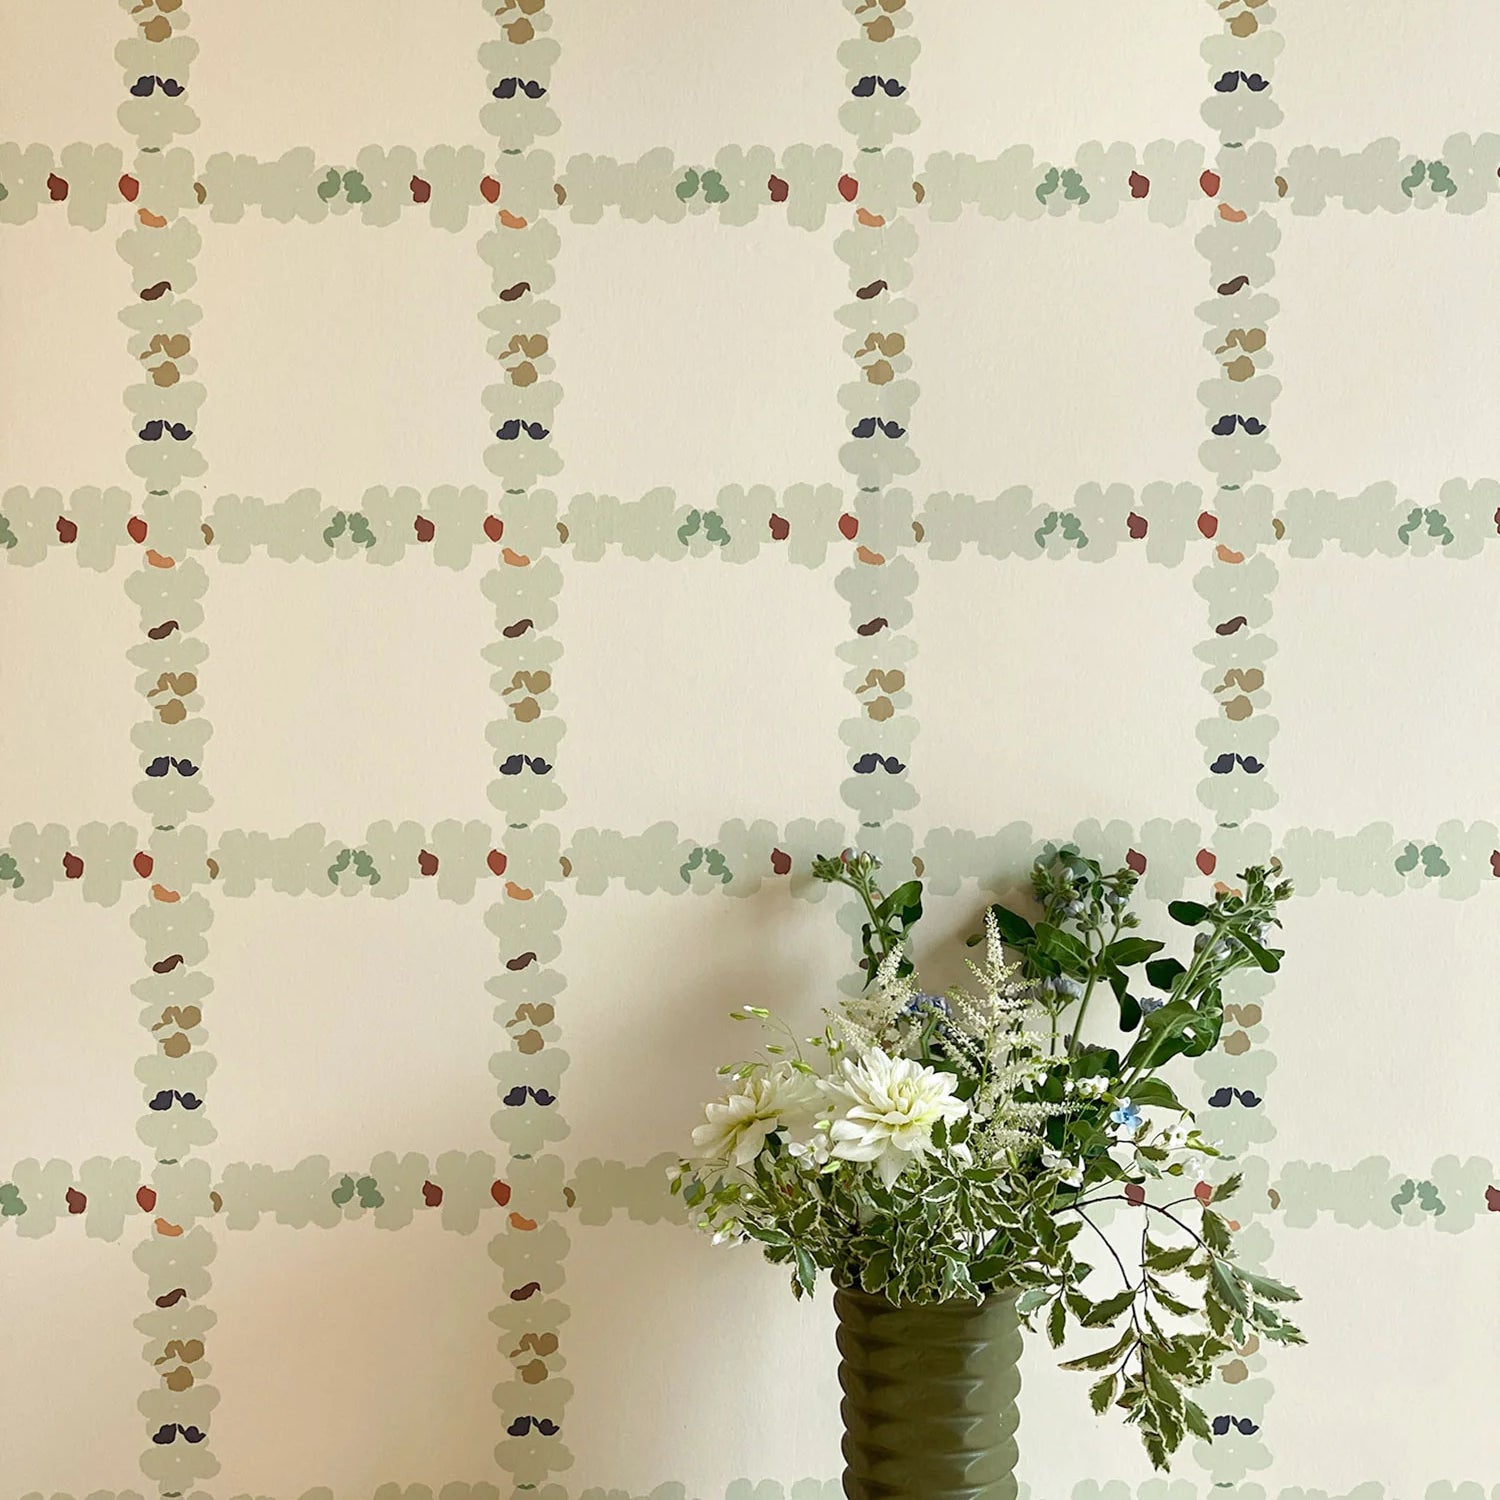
{"x":1127,"y":1116}
{"x":1149,"y":1004}
{"x":922,"y":1002}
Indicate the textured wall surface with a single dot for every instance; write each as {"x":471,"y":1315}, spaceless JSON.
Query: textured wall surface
{"x":490,"y":487}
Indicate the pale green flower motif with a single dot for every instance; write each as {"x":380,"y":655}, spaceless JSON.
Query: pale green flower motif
{"x":737,"y":1126}
{"x":894,"y":1104}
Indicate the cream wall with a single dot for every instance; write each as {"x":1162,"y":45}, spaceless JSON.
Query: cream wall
{"x":452,"y":581}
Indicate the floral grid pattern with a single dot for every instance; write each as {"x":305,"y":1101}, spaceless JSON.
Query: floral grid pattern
{"x":521,"y":872}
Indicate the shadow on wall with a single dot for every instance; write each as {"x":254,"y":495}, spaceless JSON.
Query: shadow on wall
{"x":651,"y":982}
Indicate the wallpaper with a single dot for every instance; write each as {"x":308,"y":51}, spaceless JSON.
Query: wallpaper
{"x":490,"y":488}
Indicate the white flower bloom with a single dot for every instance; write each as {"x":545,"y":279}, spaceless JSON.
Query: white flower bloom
{"x":737,"y":1126}
{"x":894,"y":1105}
{"x":1087,"y":1088}
{"x":1072,"y":1177}
{"x":817,"y":1148}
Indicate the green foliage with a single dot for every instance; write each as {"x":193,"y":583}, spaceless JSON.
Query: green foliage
{"x":1086,"y":1124}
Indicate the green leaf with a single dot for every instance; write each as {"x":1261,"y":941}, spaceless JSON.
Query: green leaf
{"x":1101,"y":1314}
{"x":1197,"y":1422}
{"x":1176,"y":1028}
{"x":1233,"y":1293}
{"x":1160,"y":1384}
{"x":1128,"y":951}
{"x":1215,"y":1232}
{"x":804,"y":1218}
{"x":1062,"y":946}
{"x":877,"y":1271}
{"x":1161,"y":973}
{"x":1055,"y":1322}
{"x":772,"y":1238}
{"x":1167,"y":1261}
{"x":807,"y":1269}
{"x":1102,"y":1393}
{"x":1014,"y":928}
{"x":1173,"y":1304}
{"x":1029,"y":1300}
{"x":905,"y":900}
{"x":1228,"y":1188}
{"x":1154,"y":1093}
{"x":1101,"y":1359}
{"x":1268,"y":958}
{"x":1286,"y":1334}
{"x":1189,"y":913}
{"x":1272,"y":1291}
{"x":1156,"y":1448}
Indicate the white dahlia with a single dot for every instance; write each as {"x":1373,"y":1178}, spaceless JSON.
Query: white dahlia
{"x":894,"y":1105}
{"x":737,"y":1126}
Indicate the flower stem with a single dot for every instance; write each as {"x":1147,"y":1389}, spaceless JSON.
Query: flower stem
{"x":1088,"y":994}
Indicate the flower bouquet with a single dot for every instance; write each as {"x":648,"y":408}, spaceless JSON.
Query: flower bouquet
{"x":948,"y":1159}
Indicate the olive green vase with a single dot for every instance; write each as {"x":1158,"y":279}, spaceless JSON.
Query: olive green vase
{"x":929,"y":1397}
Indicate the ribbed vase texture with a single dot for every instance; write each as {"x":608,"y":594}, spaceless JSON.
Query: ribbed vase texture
{"x":930,"y":1398}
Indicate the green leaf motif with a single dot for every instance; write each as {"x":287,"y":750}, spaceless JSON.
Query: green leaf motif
{"x":688,"y":186}
{"x":1073,"y":188}
{"x":1048,"y":185}
{"x":359,"y":529}
{"x":1440,"y":180}
{"x":354,"y":187}
{"x":344,"y":1192}
{"x":10,"y":872}
{"x":8,"y":538}
{"x":1415,"y":178}
{"x":714,"y":190}
{"x":328,"y":189}
{"x":12,"y":1204}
